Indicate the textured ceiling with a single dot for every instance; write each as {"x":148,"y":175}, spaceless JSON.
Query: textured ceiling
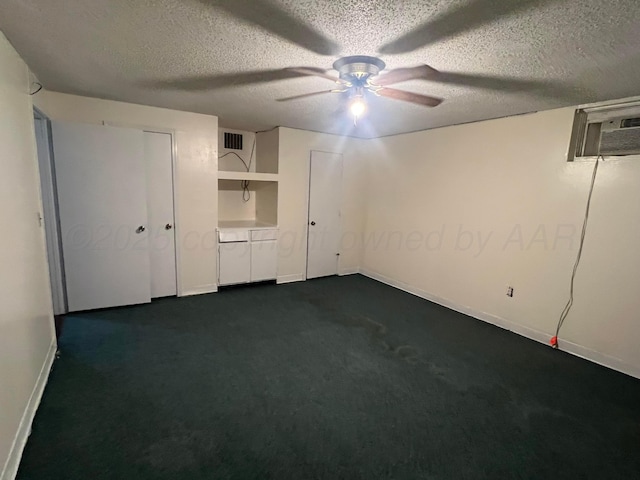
{"x":165,"y":53}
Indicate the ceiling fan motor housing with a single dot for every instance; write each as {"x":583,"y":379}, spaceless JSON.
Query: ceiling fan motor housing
{"x":358,"y":68}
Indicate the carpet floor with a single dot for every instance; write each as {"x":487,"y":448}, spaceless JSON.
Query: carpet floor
{"x":335,"y":378}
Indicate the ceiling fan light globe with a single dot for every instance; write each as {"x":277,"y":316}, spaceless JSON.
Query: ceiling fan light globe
{"x":358,"y":107}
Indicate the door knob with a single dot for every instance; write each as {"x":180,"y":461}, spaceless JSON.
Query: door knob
{"x":313,"y":223}
{"x":140,"y":229}
{"x":168,"y":226}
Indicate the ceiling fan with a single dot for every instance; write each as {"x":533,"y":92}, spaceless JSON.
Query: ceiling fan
{"x":360,"y":76}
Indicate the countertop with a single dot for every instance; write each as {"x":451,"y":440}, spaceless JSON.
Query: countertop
{"x":245,"y":224}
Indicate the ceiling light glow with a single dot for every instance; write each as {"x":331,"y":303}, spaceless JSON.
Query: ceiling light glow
{"x":358,"y":108}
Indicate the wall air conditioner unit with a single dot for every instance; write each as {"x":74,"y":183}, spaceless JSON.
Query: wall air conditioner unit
{"x":607,"y":131}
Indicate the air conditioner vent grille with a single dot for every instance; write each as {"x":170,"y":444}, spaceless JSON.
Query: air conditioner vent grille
{"x":620,"y":142}
{"x":630,"y":123}
{"x":232,"y":141}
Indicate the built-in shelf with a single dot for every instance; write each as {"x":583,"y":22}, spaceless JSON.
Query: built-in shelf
{"x":249,"y":200}
{"x":251,"y":176}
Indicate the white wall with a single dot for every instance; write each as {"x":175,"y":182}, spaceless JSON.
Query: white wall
{"x":231,"y":203}
{"x":293,"y":197}
{"x":446,"y":207}
{"x":267,"y":151}
{"x":27,"y":338}
{"x":454,"y":214}
{"x":196,"y":174}
{"x":197,"y":187}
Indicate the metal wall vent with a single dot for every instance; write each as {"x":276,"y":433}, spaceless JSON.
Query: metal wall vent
{"x":232,"y":141}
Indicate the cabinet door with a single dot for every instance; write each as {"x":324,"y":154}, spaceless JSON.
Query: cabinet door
{"x":234,"y":263}
{"x":264,"y":260}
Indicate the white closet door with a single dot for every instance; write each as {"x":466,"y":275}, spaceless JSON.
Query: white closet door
{"x":101,"y":181}
{"x":162,"y":243}
{"x":325,"y":188}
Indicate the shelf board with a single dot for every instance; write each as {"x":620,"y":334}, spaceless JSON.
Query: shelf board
{"x":251,"y":176}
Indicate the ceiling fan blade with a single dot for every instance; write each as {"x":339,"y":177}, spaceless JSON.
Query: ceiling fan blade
{"x":315,"y":72}
{"x":417,"y":98}
{"x":547,"y":88}
{"x":305,"y":95}
{"x":274,"y":19}
{"x":210,"y":82}
{"x":422,"y":72}
{"x":464,"y":18}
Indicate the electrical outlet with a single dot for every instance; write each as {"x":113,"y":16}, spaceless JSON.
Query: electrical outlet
{"x":509,"y":291}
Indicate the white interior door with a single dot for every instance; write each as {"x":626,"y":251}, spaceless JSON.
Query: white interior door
{"x":162,"y":242}
{"x":101,"y":181}
{"x":50,"y":214}
{"x":324,"y":230}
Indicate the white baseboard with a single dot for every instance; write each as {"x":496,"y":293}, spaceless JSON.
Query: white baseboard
{"x":202,"y":290}
{"x":533,"y":334}
{"x":348,"y":271}
{"x":485,"y":317}
{"x":24,"y":429}
{"x":298,"y":277}
{"x":599,"y":358}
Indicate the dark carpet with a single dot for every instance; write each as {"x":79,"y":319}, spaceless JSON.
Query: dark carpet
{"x":332,"y":378}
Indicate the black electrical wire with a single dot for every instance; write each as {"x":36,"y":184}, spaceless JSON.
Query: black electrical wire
{"x":239,"y":157}
{"x":244,"y":184}
{"x":569,"y":304}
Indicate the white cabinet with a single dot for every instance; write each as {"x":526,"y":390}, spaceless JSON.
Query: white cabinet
{"x":264,"y":234}
{"x":264,"y":260}
{"x":247,"y":255}
{"x":234,"y":263}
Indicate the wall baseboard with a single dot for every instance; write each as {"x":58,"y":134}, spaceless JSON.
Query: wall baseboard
{"x":530,"y":333}
{"x":24,"y":429}
{"x":202,"y":290}
{"x":348,"y":271}
{"x":599,"y":358}
{"x":297,"y":277}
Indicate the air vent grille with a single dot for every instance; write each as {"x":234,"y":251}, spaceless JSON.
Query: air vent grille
{"x":630,"y":123}
{"x":232,"y":141}
{"x":620,"y":142}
